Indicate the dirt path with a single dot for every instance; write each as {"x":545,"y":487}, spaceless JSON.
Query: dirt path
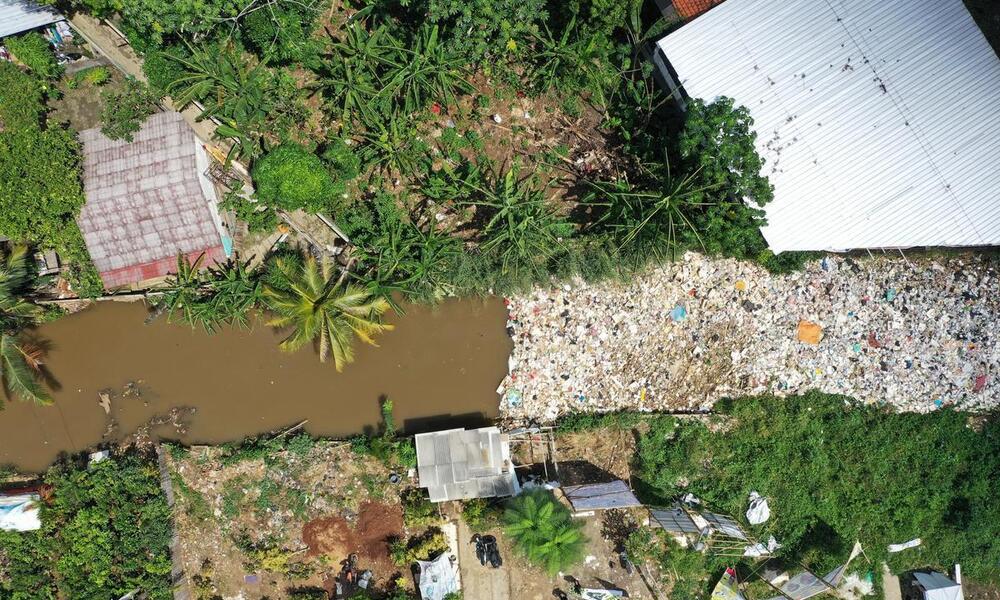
{"x":479,"y":582}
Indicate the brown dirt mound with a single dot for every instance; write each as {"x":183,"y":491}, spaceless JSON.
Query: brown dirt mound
{"x":334,"y":536}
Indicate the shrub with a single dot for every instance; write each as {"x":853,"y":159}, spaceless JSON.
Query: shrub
{"x":34,"y":51}
{"x":478,"y":513}
{"x":94,"y":76}
{"x":292,"y":177}
{"x":340,"y":159}
{"x":544,"y":531}
{"x":124,"y":112}
{"x":259,"y":218}
{"x":488,"y":29}
{"x":418,"y":510}
{"x":281,"y":32}
{"x":21,"y":99}
{"x":424,"y":547}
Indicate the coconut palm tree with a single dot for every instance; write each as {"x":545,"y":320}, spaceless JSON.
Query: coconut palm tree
{"x":20,"y":362}
{"x":543,"y":530}
{"x":321,"y":309}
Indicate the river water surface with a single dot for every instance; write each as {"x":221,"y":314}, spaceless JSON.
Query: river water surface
{"x":440,"y":366}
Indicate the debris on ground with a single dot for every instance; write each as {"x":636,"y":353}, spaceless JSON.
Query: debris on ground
{"x":916,"y":335}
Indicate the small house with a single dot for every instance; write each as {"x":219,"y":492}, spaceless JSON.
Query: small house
{"x":461,"y":464}
{"x":148,"y":201}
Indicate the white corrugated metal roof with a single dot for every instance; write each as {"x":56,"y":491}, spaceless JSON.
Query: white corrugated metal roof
{"x":21,"y":15}
{"x":458,"y":464}
{"x":879,"y":121}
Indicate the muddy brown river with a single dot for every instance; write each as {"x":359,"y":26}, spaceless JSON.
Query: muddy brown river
{"x":440,"y":366}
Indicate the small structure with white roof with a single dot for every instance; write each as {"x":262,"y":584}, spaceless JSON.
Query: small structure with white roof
{"x":18,"y":16}
{"x":460,"y":464}
{"x":937,"y":586}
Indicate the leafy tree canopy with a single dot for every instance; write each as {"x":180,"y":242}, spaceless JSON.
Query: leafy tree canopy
{"x":21,"y":99}
{"x":40,"y":191}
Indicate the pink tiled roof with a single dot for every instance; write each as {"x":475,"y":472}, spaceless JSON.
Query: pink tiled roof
{"x":144,"y":202}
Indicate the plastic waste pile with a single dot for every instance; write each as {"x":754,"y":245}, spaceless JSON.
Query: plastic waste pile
{"x":916,"y":334}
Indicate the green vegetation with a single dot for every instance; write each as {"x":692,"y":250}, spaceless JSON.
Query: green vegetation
{"x":40,"y":188}
{"x":543,"y":530}
{"x":387,"y":445}
{"x":105,"y":532}
{"x":291,"y":177}
{"x":34,"y":52}
{"x":93,"y":76}
{"x":308,"y":297}
{"x":124,"y":112}
{"x":834,"y":472}
{"x":20,"y":359}
{"x":423,"y":547}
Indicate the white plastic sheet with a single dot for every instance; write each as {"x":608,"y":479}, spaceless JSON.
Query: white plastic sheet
{"x":438,"y":578}
{"x":19,"y":513}
{"x":759,"y":511}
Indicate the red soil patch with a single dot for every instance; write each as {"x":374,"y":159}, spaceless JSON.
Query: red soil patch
{"x":369,"y":538}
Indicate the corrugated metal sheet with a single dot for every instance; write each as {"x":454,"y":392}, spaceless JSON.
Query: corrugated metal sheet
{"x":879,"y":121}
{"x":17,"y":16}
{"x":601,"y":496}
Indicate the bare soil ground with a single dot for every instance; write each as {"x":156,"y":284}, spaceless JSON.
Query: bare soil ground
{"x":262,"y":526}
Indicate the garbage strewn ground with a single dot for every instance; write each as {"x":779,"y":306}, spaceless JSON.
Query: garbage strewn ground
{"x":917,"y":334}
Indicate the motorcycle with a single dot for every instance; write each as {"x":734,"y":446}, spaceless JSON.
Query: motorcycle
{"x":480,"y":548}
{"x":492,"y":551}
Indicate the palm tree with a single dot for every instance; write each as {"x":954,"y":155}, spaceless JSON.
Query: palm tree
{"x":20,"y":362}
{"x":543,"y":530}
{"x":322,"y":310}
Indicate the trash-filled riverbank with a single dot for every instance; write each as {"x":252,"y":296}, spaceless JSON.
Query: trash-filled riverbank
{"x":918,"y":334}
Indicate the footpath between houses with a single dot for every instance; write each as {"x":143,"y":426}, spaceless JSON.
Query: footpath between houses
{"x":916,"y":334}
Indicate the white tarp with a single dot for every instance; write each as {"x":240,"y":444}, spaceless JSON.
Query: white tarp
{"x":900,"y":547}
{"x":938,"y":587}
{"x":759,"y":511}
{"x":19,"y":513}
{"x":438,"y":578}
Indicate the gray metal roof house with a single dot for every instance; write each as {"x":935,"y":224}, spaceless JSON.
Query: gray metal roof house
{"x":879,"y":121}
{"x":459,"y":464}
{"x":17,"y":16}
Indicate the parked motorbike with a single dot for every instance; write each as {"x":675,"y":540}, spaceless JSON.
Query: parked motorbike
{"x":492,"y":551}
{"x":480,"y":548}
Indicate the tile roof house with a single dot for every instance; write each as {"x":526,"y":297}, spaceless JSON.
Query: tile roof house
{"x":879,"y":122}
{"x":458,"y":464}
{"x":147,"y":201}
